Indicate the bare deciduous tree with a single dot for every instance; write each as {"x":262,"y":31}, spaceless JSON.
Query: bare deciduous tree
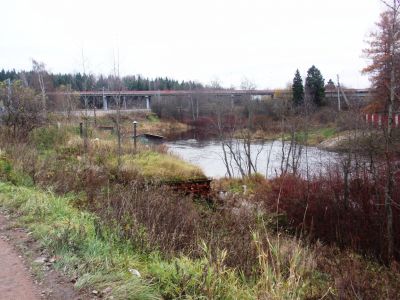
{"x":240,"y":156}
{"x":66,"y":101}
{"x":384,"y":52}
{"x":23,"y":108}
{"x":39,"y":69}
{"x":117,"y":85}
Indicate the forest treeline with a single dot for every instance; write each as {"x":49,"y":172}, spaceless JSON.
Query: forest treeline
{"x":81,"y":82}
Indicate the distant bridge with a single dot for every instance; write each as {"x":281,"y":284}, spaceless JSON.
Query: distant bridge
{"x":103,"y":98}
{"x":179,"y":93}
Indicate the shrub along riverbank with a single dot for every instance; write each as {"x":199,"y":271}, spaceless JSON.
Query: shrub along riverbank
{"x":114,"y":219}
{"x":101,"y":257}
{"x":103,"y":218}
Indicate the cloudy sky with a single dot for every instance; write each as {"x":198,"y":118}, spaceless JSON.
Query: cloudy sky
{"x":264,"y":41}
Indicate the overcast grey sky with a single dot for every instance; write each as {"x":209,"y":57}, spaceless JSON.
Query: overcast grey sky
{"x":261,"y":40}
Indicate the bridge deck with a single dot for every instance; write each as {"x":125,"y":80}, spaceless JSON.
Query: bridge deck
{"x":358,"y":92}
{"x":170,"y":93}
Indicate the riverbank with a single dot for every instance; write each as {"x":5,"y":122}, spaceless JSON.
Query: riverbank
{"x":98,"y":258}
{"x":102,"y":261}
{"x":312,"y":137}
{"x":362,"y":141}
{"x":146,"y":123}
{"x":56,"y":146}
{"x":339,"y":142}
{"x":109,"y":223}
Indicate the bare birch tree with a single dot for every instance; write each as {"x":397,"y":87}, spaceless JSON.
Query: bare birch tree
{"x":240,"y":156}
{"x":117,"y":85}
{"x":39,"y":69}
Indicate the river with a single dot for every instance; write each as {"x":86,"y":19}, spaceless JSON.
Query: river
{"x":208,"y":155}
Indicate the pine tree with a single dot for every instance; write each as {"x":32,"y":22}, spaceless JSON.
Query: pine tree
{"x":315,"y":86}
{"x":298,"y":89}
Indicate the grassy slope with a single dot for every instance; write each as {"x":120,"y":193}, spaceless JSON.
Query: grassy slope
{"x":97,"y":259}
{"x":100,"y":259}
{"x":148,"y":163}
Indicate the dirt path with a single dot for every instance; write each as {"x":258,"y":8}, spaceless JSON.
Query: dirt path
{"x":21,"y":278}
{"x":15,"y":283}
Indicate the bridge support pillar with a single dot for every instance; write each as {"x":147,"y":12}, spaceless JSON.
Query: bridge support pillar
{"x":105,"y":104}
{"x":124,"y":102}
{"x":148,"y":102}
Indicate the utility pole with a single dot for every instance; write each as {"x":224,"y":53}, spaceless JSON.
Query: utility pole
{"x":338,"y":92}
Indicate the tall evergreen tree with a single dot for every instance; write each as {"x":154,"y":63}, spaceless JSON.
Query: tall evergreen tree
{"x":298,"y":89}
{"x":315,"y":86}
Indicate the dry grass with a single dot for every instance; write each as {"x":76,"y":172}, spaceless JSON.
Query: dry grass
{"x":241,"y":255}
{"x":151,"y":164}
{"x":160,"y":166}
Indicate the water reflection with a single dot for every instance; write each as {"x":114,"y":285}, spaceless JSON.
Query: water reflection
{"x":208,"y":155}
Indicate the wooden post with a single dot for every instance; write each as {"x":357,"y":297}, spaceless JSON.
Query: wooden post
{"x":81,"y":129}
{"x":134,"y":136}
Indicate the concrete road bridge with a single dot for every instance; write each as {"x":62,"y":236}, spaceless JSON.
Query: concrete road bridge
{"x":142,"y":99}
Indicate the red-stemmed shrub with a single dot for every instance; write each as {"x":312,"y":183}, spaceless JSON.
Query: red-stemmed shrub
{"x":327,"y":209}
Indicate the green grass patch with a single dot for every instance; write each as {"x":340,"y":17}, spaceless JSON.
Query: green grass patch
{"x":240,"y":185}
{"x":9,"y":173}
{"x":160,"y":166}
{"x":45,"y":138}
{"x":153,"y":118}
{"x":314,"y":136}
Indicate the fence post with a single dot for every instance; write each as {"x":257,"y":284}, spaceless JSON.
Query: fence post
{"x":81,"y":129}
{"x":134,"y":136}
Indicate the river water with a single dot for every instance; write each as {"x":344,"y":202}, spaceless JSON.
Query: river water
{"x":208,"y":155}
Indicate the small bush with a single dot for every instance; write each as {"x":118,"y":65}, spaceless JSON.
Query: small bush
{"x":153,"y":218}
{"x":47,"y":138}
{"x":8,"y":173}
